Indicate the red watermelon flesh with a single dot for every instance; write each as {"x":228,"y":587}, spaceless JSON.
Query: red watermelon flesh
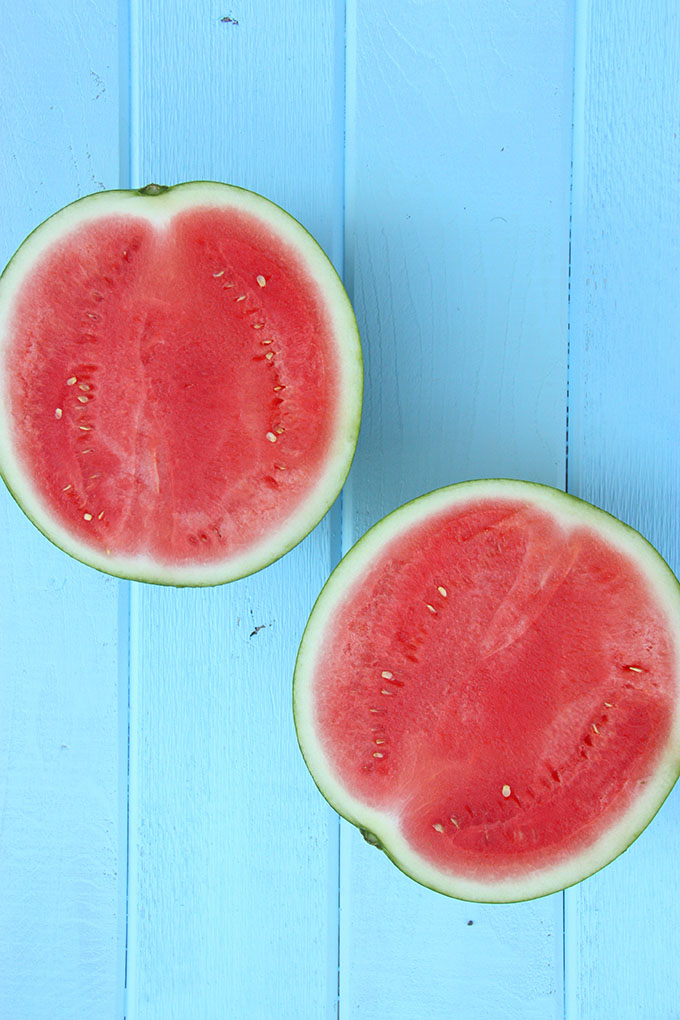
{"x":177,"y":387}
{"x":491,"y":688}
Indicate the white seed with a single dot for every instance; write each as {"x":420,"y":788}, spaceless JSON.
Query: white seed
{"x":84,"y":387}
{"x":83,"y":400}
{"x":384,"y":691}
{"x":635,"y":669}
{"x":241,"y":297}
{"x":89,"y":450}
{"x":265,"y":342}
{"x":455,"y":822}
{"x":442,"y":591}
{"x":279,"y":430}
{"x":378,"y":754}
{"x":67,"y":487}
{"x":58,"y":413}
{"x":269,"y":355}
{"x":87,"y":517}
{"x":258,"y":325}
{"x":281,"y":467}
{"x":85,"y":428}
{"x":100,"y":515}
{"x":271,"y":437}
{"x":386,"y":675}
{"x":374,"y":710}
{"x":431,"y":608}
{"x":438,"y":827}
{"x":277,"y":388}
{"x":72,"y":381}
{"x":226,"y":286}
{"x":221,"y":273}
{"x":608,"y":704}
{"x":261,"y":281}
{"x":506,"y":791}
{"x":379,"y":740}
{"x":595,"y":729}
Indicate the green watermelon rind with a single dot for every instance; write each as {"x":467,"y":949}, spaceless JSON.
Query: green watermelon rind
{"x":345,"y":330}
{"x":375,"y":825}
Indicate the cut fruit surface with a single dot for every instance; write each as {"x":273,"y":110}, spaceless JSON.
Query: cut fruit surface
{"x":181,"y":376}
{"x":488,"y":687}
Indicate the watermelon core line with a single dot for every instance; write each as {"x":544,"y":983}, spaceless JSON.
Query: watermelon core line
{"x":497,"y":688}
{"x":161,"y":410}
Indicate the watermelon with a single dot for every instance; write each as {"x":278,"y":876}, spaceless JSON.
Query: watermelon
{"x":488,"y":687}
{"x":181,"y":382}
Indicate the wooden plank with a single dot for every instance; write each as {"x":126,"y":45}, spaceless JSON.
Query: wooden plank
{"x":458,"y":171}
{"x":62,"y":731}
{"x":233,"y":853}
{"x":624,"y":426}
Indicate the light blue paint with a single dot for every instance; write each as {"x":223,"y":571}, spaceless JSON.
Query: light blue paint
{"x":429,"y":147}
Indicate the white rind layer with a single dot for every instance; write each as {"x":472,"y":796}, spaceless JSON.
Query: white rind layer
{"x":384,"y":826}
{"x":158,"y":209}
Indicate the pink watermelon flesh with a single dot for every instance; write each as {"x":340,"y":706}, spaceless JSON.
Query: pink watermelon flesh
{"x":172,"y":389}
{"x":500,"y":687}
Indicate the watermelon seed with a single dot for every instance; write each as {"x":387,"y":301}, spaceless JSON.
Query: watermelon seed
{"x":506,"y":791}
{"x":390,"y":693}
{"x":634,"y":669}
{"x":378,"y":754}
{"x":85,"y":428}
{"x":258,"y":325}
{"x":72,"y":381}
{"x":442,"y":591}
{"x":431,"y":608}
{"x":87,"y":517}
{"x":83,"y":400}
{"x":380,"y":740}
{"x":67,"y":487}
{"x":58,"y":413}
{"x":280,"y":467}
{"x":261,"y":280}
{"x":89,"y":450}
{"x":221,"y":273}
{"x":271,"y":437}
{"x":84,"y":387}
{"x":595,"y":729}
{"x":386,"y":675}
{"x":455,"y":822}
{"x":277,"y":388}
{"x":242,"y":297}
{"x":266,"y":342}
{"x":279,"y":430}
{"x":438,"y":827}
{"x":100,"y":515}
{"x":608,"y":704}
{"x":269,"y":355}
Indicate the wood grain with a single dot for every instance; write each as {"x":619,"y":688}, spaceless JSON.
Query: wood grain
{"x":458,"y":164}
{"x":624,"y":426}
{"x":62,"y":730}
{"x":233,"y":854}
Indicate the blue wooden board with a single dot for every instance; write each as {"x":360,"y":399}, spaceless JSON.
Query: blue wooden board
{"x":497,"y":182}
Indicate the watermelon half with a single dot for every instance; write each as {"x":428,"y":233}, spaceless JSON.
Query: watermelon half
{"x":181,"y":382}
{"x":488,"y":686}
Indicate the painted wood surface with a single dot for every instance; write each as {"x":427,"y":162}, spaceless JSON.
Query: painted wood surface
{"x":62,"y":726}
{"x":497,"y":183}
{"x":624,"y":426}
